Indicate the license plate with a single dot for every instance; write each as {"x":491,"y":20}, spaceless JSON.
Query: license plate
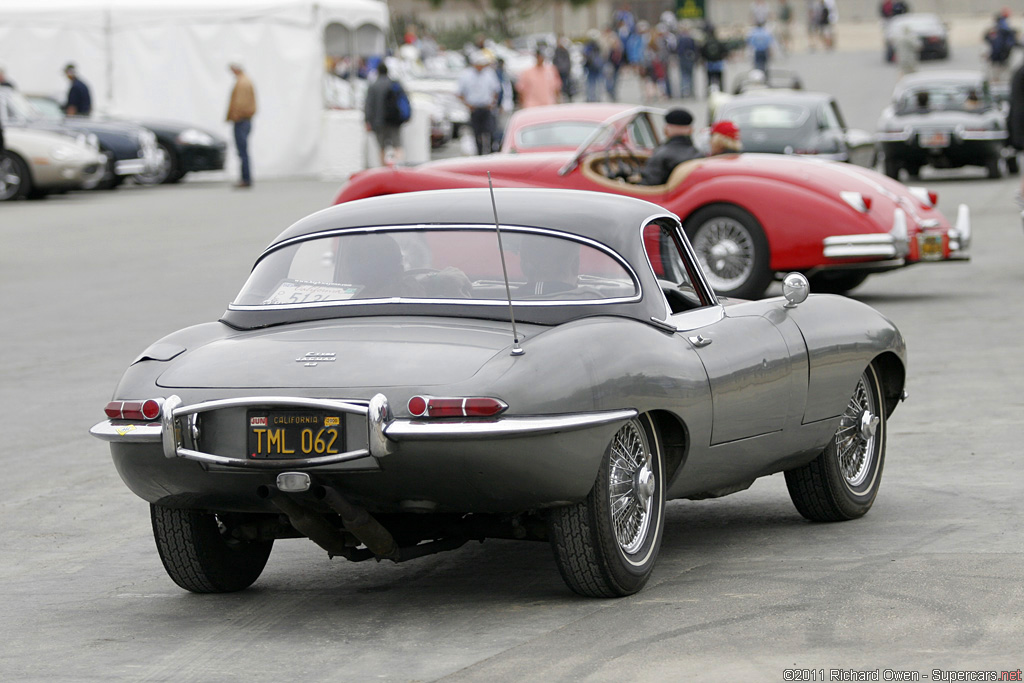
{"x":930,"y":246}
{"x":294,"y":433}
{"x":939,"y":139}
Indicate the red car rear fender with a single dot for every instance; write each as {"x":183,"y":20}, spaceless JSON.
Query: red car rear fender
{"x":795,"y":219}
{"x":382,"y":181}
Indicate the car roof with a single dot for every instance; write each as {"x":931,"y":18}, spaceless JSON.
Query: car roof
{"x":597,"y":215}
{"x":613,"y":220}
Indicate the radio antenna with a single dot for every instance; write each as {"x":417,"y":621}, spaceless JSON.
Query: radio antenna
{"x":517,"y":350}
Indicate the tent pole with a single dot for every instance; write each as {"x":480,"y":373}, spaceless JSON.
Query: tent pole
{"x":109,"y":43}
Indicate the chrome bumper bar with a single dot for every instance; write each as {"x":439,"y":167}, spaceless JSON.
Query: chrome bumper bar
{"x":880,"y":245}
{"x":384,"y":432}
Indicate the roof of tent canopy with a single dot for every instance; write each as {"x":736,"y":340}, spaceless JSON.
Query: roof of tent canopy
{"x":350,"y":13}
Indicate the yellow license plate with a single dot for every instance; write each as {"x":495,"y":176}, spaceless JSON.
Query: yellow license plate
{"x":294,"y":433}
{"x":930,"y":247}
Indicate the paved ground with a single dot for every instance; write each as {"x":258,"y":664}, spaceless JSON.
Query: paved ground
{"x":930,"y":579}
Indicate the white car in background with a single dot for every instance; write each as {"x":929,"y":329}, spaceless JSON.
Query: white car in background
{"x":35,"y":163}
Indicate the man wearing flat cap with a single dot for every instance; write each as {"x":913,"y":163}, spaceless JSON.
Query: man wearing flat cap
{"x":677,"y":148}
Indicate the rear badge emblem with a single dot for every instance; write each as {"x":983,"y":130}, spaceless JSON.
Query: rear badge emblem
{"x":312,"y":358}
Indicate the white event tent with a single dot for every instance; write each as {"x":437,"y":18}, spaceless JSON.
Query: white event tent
{"x":169,"y":59}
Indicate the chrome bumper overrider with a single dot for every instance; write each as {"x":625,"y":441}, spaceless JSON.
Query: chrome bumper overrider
{"x":384,"y":432}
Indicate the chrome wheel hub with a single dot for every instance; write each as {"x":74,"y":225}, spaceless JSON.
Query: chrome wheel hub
{"x":855,"y":440}
{"x":631,"y":488}
{"x":726,"y":251}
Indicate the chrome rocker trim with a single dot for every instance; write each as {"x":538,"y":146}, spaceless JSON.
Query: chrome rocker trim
{"x":384,"y":432}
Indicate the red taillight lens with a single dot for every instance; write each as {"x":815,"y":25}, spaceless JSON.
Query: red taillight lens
{"x":867,"y":202}
{"x":149,"y":409}
{"x":933,"y":197}
{"x":432,"y":406}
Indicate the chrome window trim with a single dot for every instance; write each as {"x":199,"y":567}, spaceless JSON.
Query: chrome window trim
{"x":702,"y":283}
{"x":454,"y":227}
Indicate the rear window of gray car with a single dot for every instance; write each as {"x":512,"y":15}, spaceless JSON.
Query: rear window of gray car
{"x":440,"y":264}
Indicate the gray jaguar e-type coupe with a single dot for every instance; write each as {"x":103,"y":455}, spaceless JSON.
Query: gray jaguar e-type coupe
{"x":398,"y":376}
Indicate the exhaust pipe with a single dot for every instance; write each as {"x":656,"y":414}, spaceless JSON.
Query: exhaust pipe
{"x":309,"y":523}
{"x":361,"y":524}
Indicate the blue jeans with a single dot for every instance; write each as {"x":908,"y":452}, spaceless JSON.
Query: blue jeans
{"x":242,"y":129}
{"x":685,"y":78}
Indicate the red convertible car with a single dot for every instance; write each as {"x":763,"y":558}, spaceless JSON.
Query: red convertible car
{"x":748,"y":216}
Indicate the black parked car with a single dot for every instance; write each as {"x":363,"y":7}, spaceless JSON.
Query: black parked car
{"x":180,"y":147}
{"x":129,"y":148}
{"x":932,"y":35}
{"x":796,"y":122}
{"x":944,"y":119}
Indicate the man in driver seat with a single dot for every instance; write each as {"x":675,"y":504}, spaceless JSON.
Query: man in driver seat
{"x":677,"y":148}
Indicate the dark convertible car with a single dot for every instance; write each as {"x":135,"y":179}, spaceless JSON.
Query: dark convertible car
{"x":944,"y":119}
{"x":397,"y":377}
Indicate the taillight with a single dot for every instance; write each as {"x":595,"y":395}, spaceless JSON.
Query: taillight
{"x":432,"y":406}
{"x":149,"y":409}
{"x":933,"y":197}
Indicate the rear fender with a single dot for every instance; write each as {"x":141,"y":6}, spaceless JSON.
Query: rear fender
{"x":796,"y":220}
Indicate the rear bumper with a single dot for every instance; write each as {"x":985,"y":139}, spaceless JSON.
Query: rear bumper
{"x":896,"y":247}
{"x":498,"y":465}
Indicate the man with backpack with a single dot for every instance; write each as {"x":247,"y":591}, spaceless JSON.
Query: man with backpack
{"x":387,"y":108}
{"x":714,"y":53}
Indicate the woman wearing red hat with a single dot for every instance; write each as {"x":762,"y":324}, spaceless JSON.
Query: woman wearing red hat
{"x":725,"y":138}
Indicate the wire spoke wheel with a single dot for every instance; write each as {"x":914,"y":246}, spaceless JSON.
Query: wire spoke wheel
{"x":630,"y":488}
{"x":606,"y":545}
{"x":732,"y":249}
{"x":725,"y":250}
{"x":842,"y":482}
{"x":854,"y":440}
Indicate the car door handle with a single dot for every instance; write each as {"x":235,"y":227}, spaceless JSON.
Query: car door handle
{"x":700,"y":341}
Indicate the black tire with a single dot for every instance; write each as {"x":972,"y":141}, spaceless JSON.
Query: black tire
{"x":890,"y":54}
{"x":1012,"y":164}
{"x":914,"y":172}
{"x":199,"y":557}
{"x":15,"y":177}
{"x":843,"y":481}
{"x":593,"y":558}
{"x":892,"y":168}
{"x":837,"y":282}
{"x":732,"y":249}
{"x":994,"y":168}
{"x":167,"y":172}
{"x":110,"y":179}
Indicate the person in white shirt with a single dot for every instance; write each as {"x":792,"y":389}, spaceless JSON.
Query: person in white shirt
{"x":478,"y":88}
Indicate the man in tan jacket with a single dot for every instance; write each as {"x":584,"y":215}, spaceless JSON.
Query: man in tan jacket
{"x":241,"y":109}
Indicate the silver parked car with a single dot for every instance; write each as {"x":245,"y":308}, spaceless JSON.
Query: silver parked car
{"x":37,"y":162}
{"x":369,"y":388}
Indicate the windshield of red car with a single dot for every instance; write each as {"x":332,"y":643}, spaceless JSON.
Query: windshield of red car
{"x":437,"y":264}
{"x":560,"y":134}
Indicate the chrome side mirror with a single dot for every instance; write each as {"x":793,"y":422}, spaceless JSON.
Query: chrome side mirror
{"x":795,"y":289}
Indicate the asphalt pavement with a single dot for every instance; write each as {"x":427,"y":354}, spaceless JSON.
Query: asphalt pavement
{"x":930,"y":581}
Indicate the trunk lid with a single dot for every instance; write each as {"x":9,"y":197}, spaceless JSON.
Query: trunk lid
{"x":379,"y":352}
